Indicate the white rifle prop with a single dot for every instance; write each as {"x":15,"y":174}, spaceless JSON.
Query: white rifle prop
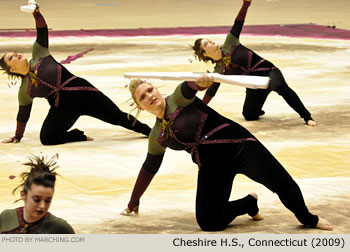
{"x":254,"y":82}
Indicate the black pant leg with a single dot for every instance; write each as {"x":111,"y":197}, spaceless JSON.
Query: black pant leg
{"x":56,"y":125}
{"x":214,"y":211}
{"x":261,"y":166}
{"x":98,"y":105}
{"x":278,"y":84}
{"x":253,"y":103}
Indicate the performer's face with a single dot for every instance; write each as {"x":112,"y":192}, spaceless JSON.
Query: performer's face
{"x":149,"y":99}
{"x":209,"y":47}
{"x":17,"y":62}
{"x":37,"y":202}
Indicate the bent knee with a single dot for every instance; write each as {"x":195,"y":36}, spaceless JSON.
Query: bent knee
{"x":48,"y":140}
{"x":279,"y":87}
{"x":249,"y":116}
{"x":45,"y":141}
{"x":211,"y":227}
{"x":209,"y":222}
{"x":277,"y":82}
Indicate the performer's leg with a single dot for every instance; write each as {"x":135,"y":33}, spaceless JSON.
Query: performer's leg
{"x":254,"y":101}
{"x":278,"y":84}
{"x":213,"y":210}
{"x":100,"y":106}
{"x":56,"y":125}
{"x":261,"y":166}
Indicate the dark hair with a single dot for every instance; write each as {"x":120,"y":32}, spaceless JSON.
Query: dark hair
{"x":199,"y":51}
{"x":42,"y":172}
{"x":4,"y":67}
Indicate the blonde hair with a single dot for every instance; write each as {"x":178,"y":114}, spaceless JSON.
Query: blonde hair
{"x":134,"y":83}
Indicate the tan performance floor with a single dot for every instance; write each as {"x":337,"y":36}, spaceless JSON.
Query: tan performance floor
{"x":98,"y":177}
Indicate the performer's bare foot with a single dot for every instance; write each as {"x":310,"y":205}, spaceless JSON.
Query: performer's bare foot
{"x":311,"y":123}
{"x":324,"y":224}
{"x":258,"y":216}
{"x":89,"y":138}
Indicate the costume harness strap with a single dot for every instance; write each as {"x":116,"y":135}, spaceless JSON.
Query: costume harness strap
{"x":167,"y":131}
{"x":55,"y":90}
{"x":227,"y":57}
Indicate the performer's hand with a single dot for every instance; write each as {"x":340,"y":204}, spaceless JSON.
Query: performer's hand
{"x":10,"y":140}
{"x":30,"y":2}
{"x":205,"y":80}
{"x":134,"y":212}
{"x":37,"y":9}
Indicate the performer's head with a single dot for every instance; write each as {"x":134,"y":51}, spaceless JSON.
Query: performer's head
{"x":147,"y":97}
{"x":37,"y":187}
{"x":14,"y":64}
{"x":205,"y":49}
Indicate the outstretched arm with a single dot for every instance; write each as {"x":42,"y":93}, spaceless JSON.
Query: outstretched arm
{"x":22,"y":118}
{"x":239,"y":21}
{"x":149,"y":168}
{"x":25,"y":107}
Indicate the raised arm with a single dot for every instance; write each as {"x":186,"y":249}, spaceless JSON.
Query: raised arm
{"x":42,"y":37}
{"x":239,"y":21}
{"x":235,"y":31}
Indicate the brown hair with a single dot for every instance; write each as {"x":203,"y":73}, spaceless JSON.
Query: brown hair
{"x":199,"y":51}
{"x":42,"y":172}
{"x":4,"y":67}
